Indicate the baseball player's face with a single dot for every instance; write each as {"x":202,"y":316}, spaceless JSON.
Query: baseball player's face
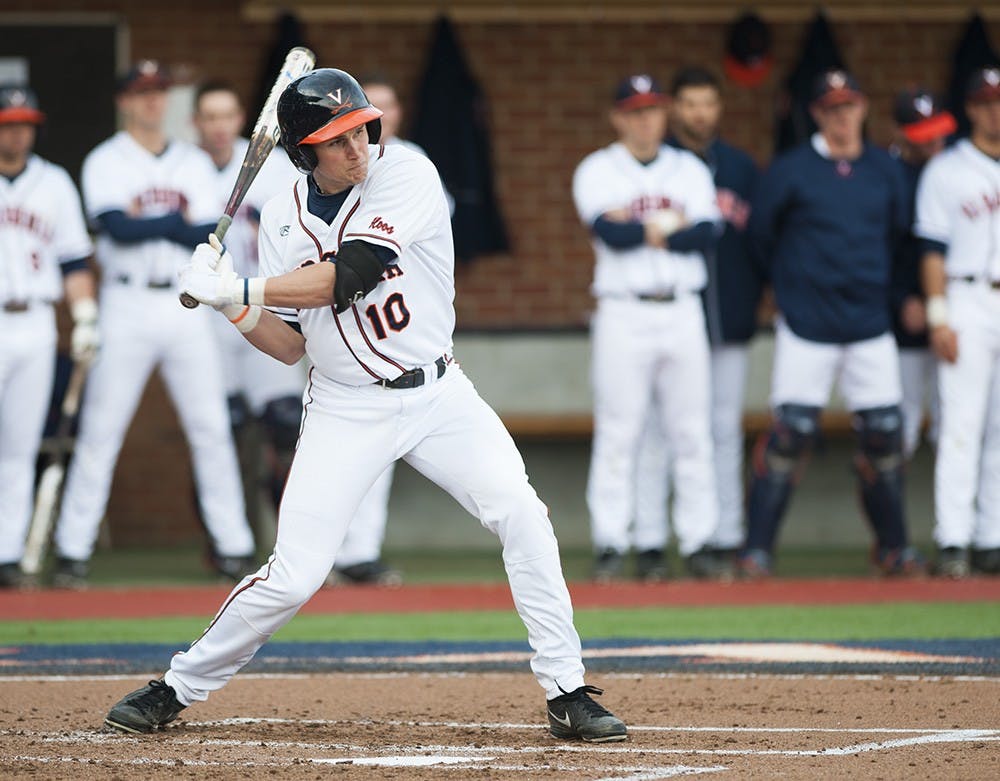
{"x":342,"y":161}
{"x":16,"y":142}
{"x":696,"y":112}
{"x":144,"y":109}
{"x":841,"y":123}
{"x":641,"y":129}
{"x":383,"y":97}
{"x":985,"y":119}
{"x":218,"y":119}
{"x":920,"y":153}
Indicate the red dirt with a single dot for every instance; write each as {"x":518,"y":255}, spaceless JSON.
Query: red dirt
{"x":202,"y":600}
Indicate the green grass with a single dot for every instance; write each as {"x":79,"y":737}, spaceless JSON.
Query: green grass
{"x":840,"y":622}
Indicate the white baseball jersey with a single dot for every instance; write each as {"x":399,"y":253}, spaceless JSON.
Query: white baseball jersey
{"x":407,"y":320}
{"x":121,"y":175}
{"x":276,"y":174}
{"x":958,"y":204}
{"x":41,"y":226}
{"x":611,"y":178}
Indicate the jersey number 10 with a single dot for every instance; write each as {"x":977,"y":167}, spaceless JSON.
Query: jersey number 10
{"x":394,"y":312}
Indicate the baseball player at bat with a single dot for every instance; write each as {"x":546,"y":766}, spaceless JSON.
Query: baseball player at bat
{"x":151,"y":199}
{"x":828,"y":215}
{"x":358,"y":272}
{"x":958,"y":219}
{"x":44,"y":248}
{"x":652,"y":214}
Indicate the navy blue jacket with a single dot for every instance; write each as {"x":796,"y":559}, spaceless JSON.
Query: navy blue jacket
{"x":906,"y":267}
{"x":735,"y":279}
{"x":828,"y":230}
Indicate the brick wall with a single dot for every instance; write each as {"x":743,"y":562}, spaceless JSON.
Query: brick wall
{"x":547,"y":87}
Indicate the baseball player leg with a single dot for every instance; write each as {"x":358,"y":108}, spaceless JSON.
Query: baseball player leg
{"x":325,"y":485}
{"x":912,"y":378}
{"x":114,"y":387}
{"x":281,"y":418}
{"x":652,"y":469}
{"x":879,"y":466}
{"x":363,"y":542}
{"x":986,"y":533}
{"x":493,"y":486}
{"x":27,"y":367}
{"x":683,"y":387}
{"x":622,"y":381}
{"x":193,"y":376}
{"x":729,"y":376}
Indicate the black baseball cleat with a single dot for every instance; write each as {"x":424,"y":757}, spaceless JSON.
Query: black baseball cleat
{"x":367,"y":573}
{"x":651,"y":566}
{"x":70,"y":574}
{"x":145,"y":710}
{"x":609,"y":565}
{"x":233,"y":567}
{"x":575,"y":715}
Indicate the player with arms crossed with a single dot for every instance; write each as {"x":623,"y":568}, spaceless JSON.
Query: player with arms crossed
{"x":44,"y":249}
{"x":651,"y":211}
{"x":958,"y":218}
{"x":828,"y":215}
{"x":360,"y":276}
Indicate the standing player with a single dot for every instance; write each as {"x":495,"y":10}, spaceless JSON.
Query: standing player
{"x":958,"y":218}
{"x":652,"y":214}
{"x":360,"y":263}
{"x":150,"y":199}
{"x":828,"y":215}
{"x":44,"y":249}
{"x":921,"y":128}
{"x":730,"y":300}
{"x":256,"y":384}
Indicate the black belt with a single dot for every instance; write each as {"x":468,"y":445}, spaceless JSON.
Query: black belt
{"x":661,"y":297}
{"x":16,"y":306}
{"x":414,"y":378}
{"x":971,"y":279}
{"x":125,"y":279}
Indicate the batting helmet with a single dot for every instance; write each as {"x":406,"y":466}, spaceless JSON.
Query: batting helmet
{"x":319,"y":106}
{"x":19,"y":104}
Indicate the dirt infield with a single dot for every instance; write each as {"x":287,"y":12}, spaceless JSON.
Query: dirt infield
{"x":448,"y":726}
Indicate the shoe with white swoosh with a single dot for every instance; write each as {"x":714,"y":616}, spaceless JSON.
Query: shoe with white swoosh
{"x":575,"y":715}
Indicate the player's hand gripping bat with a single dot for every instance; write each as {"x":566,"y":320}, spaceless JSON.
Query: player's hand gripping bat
{"x":263,"y":139}
{"x":50,"y":484}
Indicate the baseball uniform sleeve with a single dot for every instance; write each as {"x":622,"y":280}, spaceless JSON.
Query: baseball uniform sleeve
{"x":105,"y":183}
{"x":71,"y":239}
{"x":770,"y":196}
{"x":400,"y":206}
{"x":933,"y":221}
{"x":200,"y":190}
{"x":591,"y":193}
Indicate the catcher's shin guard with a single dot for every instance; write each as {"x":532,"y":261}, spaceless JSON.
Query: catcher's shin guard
{"x":777,"y":462}
{"x":879,"y":466}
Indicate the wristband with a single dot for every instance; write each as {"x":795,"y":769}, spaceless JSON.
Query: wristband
{"x":83,"y":310}
{"x":245,"y":318}
{"x":253,"y":290}
{"x":937,"y":311}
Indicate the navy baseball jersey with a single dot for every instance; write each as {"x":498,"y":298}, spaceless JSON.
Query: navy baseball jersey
{"x":906,"y":266}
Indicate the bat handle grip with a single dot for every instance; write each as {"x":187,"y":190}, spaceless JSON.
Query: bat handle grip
{"x":190,"y":302}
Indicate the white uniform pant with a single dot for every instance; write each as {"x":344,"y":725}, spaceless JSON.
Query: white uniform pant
{"x":254,"y":374}
{"x":140,"y":329}
{"x":729,"y":373}
{"x":641,"y":351}
{"x":867,"y":371}
{"x":27,"y":367}
{"x":918,"y":374}
{"x":366,"y":533}
{"x":349,"y":436}
{"x":967,"y":471}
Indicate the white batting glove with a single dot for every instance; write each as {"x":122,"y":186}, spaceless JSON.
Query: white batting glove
{"x":212,"y":256}
{"x":217,"y":290}
{"x":85,"y":339}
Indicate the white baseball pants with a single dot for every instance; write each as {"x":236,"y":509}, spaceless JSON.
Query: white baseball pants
{"x":140,"y":329}
{"x":27,"y":367}
{"x":366,"y":533}
{"x":918,"y":374}
{"x":643,"y":350}
{"x":967,"y":471}
{"x":349,"y":436}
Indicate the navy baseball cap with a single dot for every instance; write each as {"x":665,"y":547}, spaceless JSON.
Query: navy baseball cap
{"x":143,"y":76}
{"x":19,"y":105}
{"x":921,"y":117}
{"x":748,"y":59}
{"x":638,"y":91}
{"x":984,"y":84}
{"x":834,"y":87}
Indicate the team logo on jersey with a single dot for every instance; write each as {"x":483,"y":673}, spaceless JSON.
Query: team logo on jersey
{"x":283,"y":230}
{"x":379,"y":224}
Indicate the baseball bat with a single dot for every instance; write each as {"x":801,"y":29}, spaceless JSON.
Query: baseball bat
{"x":266,"y":133}
{"x":50,"y":484}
